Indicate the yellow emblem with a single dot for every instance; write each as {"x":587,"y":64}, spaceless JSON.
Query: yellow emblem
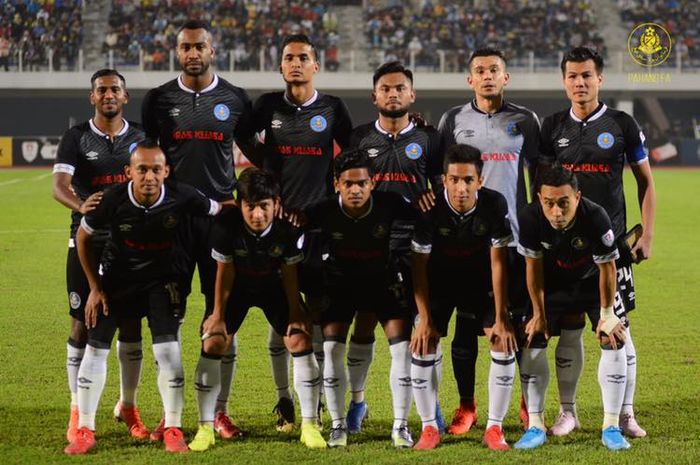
{"x":649,"y":45}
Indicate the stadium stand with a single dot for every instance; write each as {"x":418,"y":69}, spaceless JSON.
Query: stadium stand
{"x":40,"y":34}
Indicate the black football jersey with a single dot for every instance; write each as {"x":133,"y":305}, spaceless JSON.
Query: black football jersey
{"x":572,"y":254}
{"x":197,"y":130}
{"x":140,"y":247}
{"x":596,"y":149}
{"x":358,"y":248}
{"x":94,"y":160}
{"x":459,"y":243}
{"x":256,"y":257}
{"x":298,"y":144}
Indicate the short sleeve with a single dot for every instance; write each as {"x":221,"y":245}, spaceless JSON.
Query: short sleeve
{"x":529,"y":244}
{"x":67,"y":154}
{"x":636,"y":150}
{"x":501,"y":234}
{"x":148,"y":115}
{"x":99,"y":218}
{"x":222,"y":237}
{"x":422,"y":242}
{"x":604,"y":248}
{"x":342,"y":127}
{"x":546,"y":146}
{"x":293,"y":253}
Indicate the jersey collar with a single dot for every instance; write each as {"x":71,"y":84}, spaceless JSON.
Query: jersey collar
{"x":401,"y":132}
{"x":597,"y":113}
{"x":161,"y":197}
{"x":369,"y":210}
{"x":309,"y":102}
{"x":97,"y":131}
{"x":461,"y":215}
{"x":214,"y":83}
{"x":476,"y":108}
{"x":262,"y":234}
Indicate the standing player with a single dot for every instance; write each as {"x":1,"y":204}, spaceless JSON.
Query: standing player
{"x":91,"y":157}
{"x":257,"y":256}
{"x":404,"y":160}
{"x":196,"y":118}
{"x":360,"y":277}
{"x":138,"y":280}
{"x":507,"y":135}
{"x":300,"y":128}
{"x":460,"y":258}
{"x":570,"y":254}
{"x":594,"y":141}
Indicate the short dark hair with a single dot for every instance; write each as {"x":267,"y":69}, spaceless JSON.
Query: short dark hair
{"x":391,"y":67}
{"x":555,"y":175}
{"x":148,"y":143}
{"x":106,"y":72}
{"x":301,"y":39}
{"x":194,"y":24}
{"x":463,"y":153}
{"x":486,"y":52}
{"x":581,"y":54}
{"x":256,"y":185}
{"x":351,"y":159}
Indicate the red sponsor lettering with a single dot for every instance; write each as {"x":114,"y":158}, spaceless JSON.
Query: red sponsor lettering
{"x":146,"y":246}
{"x":588,"y":167}
{"x":300,"y":150}
{"x":575,"y":264}
{"x":199,"y":135}
{"x":395,"y":177}
{"x":499,"y":156}
{"x":108,"y":179}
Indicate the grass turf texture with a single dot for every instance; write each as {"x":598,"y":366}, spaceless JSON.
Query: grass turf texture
{"x":34,"y":325}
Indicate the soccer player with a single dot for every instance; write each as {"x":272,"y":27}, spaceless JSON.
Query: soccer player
{"x":138,"y":280}
{"x":257,"y":257}
{"x":91,"y":157}
{"x":360,"y":277}
{"x":300,"y":127}
{"x":570,"y":252}
{"x":196,"y":118}
{"x":404,"y":160}
{"x":594,"y":141}
{"x":507,"y":135}
{"x":460,"y":258}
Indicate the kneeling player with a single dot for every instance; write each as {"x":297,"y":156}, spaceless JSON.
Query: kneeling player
{"x":460,"y":255}
{"x":356,"y":226}
{"x":570,"y":254}
{"x":138,"y":281}
{"x":257,"y":258}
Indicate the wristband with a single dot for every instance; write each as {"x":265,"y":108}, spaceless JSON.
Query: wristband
{"x":608,"y":320}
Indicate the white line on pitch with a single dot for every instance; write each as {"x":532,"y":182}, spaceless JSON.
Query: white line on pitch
{"x":11,"y":181}
{"x":32,"y":231}
{"x":43,"y":176}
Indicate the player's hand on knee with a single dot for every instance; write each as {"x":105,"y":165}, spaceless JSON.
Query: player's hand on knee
{"x":214,"y":326}
{"x":90,"y":203}
{"x":96,"y":303}
{"x":536,"y":325}
{"x":611,"y":337}
{"x":423,"y":338}
{"x":299,"y":326}
{"x":502,"y":333}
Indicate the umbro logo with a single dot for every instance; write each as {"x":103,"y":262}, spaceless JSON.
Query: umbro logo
{"x":372,"y":153}
{"x":92,"y":155}
{"x":563,"y":142}
{"x":504,"y":379}
{"x":125,"y":227}
{"x":276,"y":124}
{"x":546,"y":245}
{"x":465,"y":133}
{"x":174,"y":112}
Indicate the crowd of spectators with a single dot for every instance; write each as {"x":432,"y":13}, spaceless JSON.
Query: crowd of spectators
{"x":681,"y":18}
{"x":241,"y":28}
{"x":36,"y":29}
{"x":544,"y":27}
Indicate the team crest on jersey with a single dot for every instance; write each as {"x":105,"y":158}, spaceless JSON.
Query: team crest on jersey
{"x":276,"y":124}
{"x":372,"y":153}
{"x":275,"y":251}
{"x":380,"y":231}
{"x":170,"y":221}
{"x":563,"y":142}
{"x":479,"y":228}
{"x":414,"y":151}
{"x":318,"y":123}
{"x":608,"y":238}
{"x":464,"y":133}
{"x":92,"y":155}
{"x":444,"y":231}
{"x":512,"y":129}
{"x":74,"y":300}
{"x":125,"y":227}
{"x":337,"y":236}
{"x":240,"y":253}
{"x":221,"y":112}
{"x":579,"y":243}
{"x":605,"y":140}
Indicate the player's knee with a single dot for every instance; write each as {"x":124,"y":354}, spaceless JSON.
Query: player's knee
{"x":130,"y":330}
{"x":217,"y":344}
{"x":572,"y":321}
{"x":298,"y":342}
{"x":606,"y":342}
{"x":78,"y":332}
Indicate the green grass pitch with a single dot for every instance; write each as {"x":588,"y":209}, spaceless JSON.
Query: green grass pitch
{"x":34,"y":326}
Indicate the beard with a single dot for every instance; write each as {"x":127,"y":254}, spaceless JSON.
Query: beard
{"x":398,"y":113}
{"x":202,"y":70}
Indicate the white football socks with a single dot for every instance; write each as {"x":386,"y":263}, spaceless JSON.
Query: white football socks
{"x":279,"y":361}
{"x":335,"y":381}
{"x":307,"y":384}
{"x":534,"y":379}
{"x":569,"y":357}
{"x":74,"y":356}
{"x":91,"y":381}
{"x":400,"y":381}
{"x":171,"y":381}
{"x":501,"y":376}
{"x":360,"y":358}
{"x":227,"y":373}
{"x":207,"y":383}
{"x":612,"y":374}
{"x":631,"y":386}
{"x":130,"y":356}
{"x":425,"y":387}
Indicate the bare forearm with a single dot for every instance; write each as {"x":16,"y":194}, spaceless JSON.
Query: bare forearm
{"x":63,"y":193}
{"x":535,"y":285}
{"x":290,"y":281}
{"x":225,"y":275}
{"x":607,"y":283}
{"x":499,"y":279}
{"x":88,"y":260}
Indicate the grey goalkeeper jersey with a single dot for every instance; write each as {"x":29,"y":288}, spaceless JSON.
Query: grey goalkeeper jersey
{"x":507,"y":140}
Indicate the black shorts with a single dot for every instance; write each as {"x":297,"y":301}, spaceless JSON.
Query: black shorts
{"x":475,"y":309}
{"x":194,"y":250}
{"x":159,"y":302}
{"x":273,"y":303}
{"x":311,"y":275}
{"x":518,"y":298}
{"x":581,"y":297}
{"x":76,"y":282}
{"x":364,"y":296}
